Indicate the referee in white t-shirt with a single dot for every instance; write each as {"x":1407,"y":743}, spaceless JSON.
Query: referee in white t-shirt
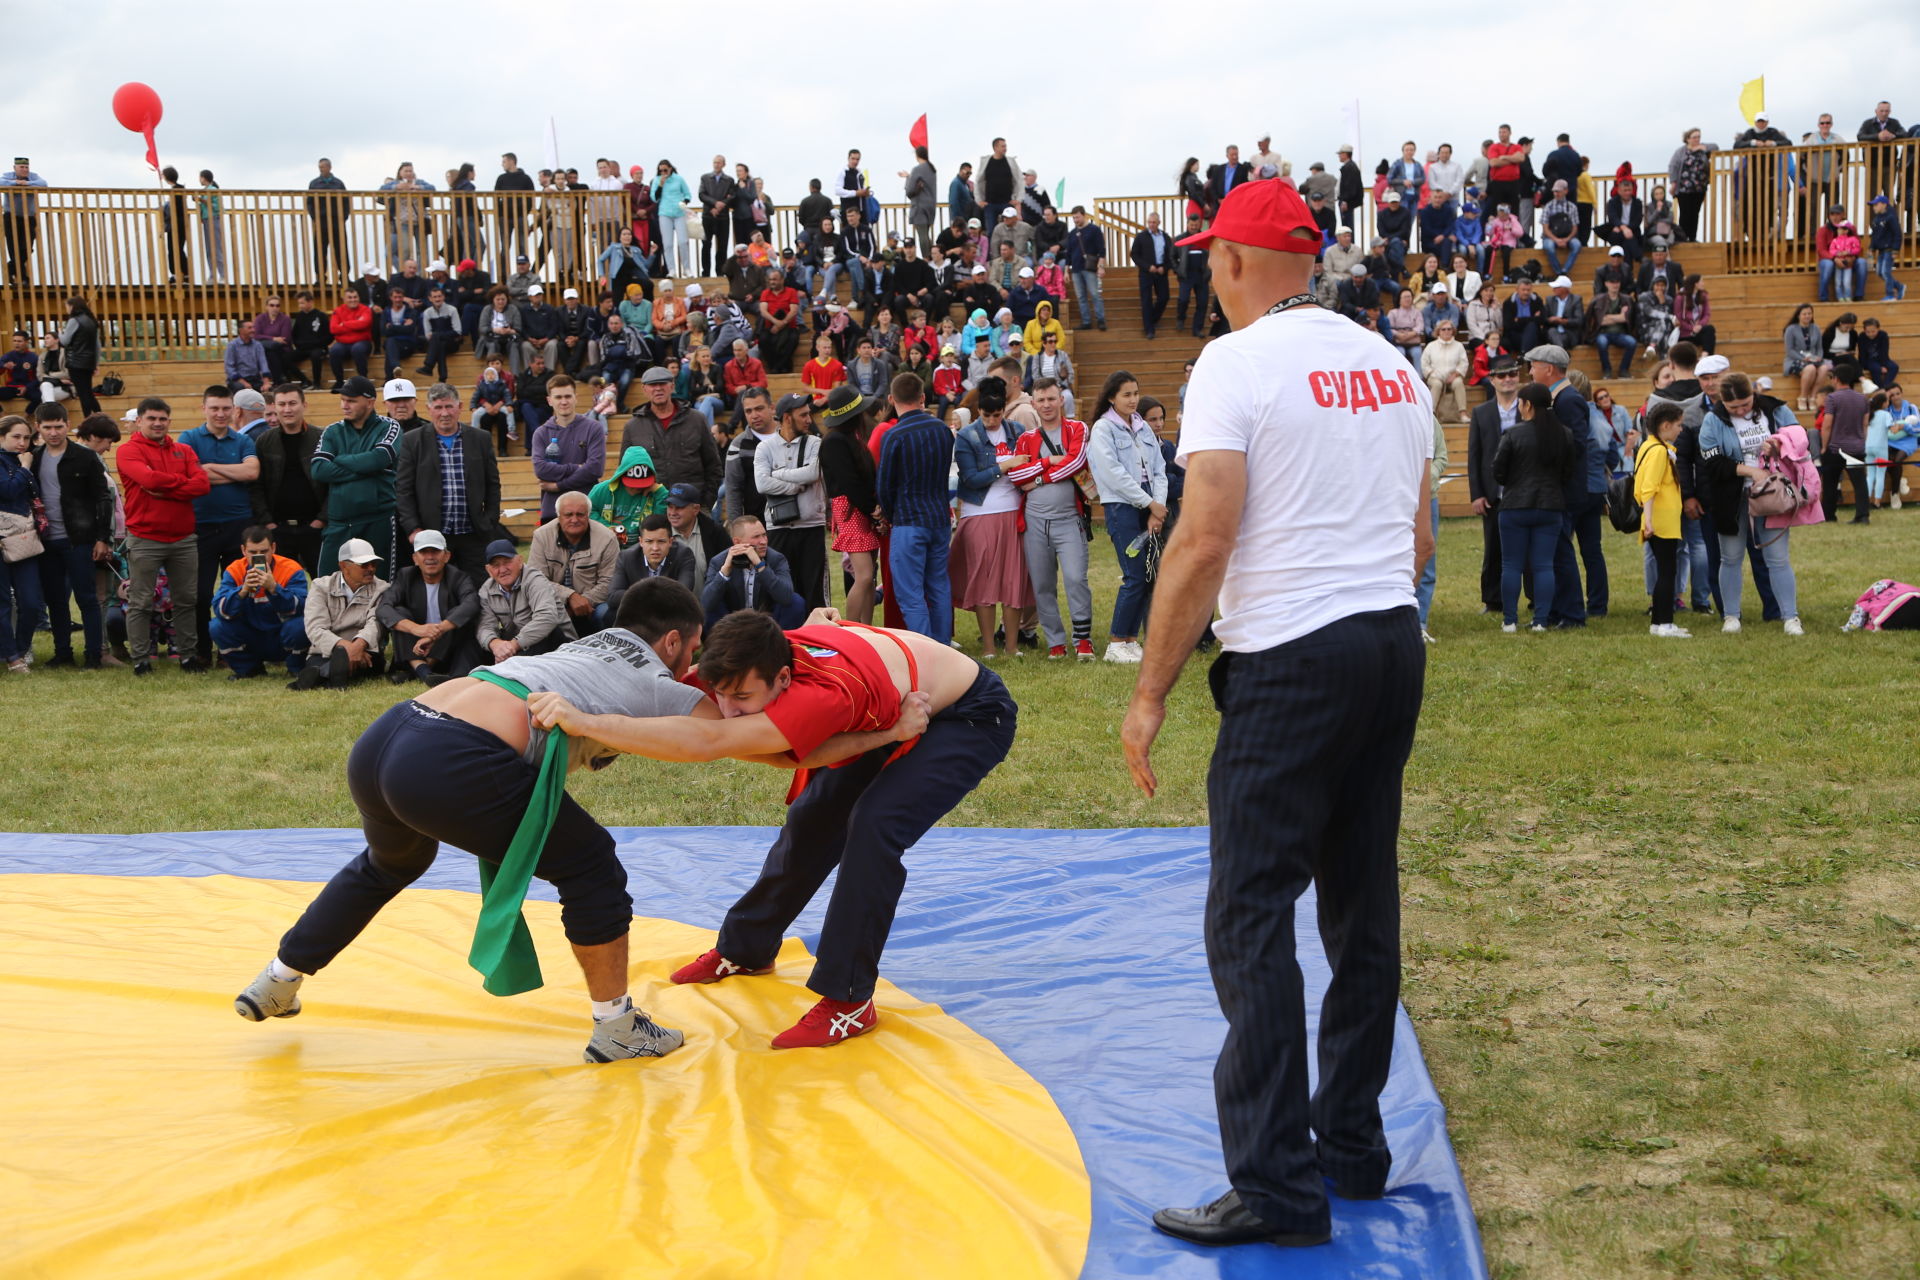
{"x":1306,"y":441}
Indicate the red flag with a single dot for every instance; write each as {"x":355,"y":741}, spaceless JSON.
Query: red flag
{"x":917,"y":136}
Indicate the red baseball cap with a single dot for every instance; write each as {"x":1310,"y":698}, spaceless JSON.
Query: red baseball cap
{"x":1265,"y":215}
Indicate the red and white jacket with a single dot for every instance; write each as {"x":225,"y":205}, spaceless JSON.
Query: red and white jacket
{"x":1050,"y":468}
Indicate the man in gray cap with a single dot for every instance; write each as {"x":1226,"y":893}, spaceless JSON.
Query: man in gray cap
{"x":676,"y":437}
{"x":1548,"y":366}
{"x":520,"y":611}
{"x":430,"y":611}
{"x":250,"y":414}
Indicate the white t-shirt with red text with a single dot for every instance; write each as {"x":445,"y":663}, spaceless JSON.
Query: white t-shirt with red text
{"x":1337,"y":430}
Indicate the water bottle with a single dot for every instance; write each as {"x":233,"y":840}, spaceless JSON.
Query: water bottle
{"x":1135,"y":547}
{"x":553,"y":448}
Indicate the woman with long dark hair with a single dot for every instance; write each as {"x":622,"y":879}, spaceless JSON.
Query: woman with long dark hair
{"x":1190,"y":186}
{"x":1533,"y":465}
{"x":1124,"y":456}
{"x":80,"y":337}
{"x":847,"y":470}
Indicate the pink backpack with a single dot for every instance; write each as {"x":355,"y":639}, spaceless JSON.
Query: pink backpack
{"x":1878,"y":602}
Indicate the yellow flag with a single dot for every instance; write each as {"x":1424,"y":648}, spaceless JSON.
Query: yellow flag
{"x":1753,"y":98}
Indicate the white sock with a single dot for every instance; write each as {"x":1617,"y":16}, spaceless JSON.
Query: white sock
{"x":283,"y":973}
{"x":607,"y":1010}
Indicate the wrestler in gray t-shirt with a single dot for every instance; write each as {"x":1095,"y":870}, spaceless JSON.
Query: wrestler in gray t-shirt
{"x":612,"y":672}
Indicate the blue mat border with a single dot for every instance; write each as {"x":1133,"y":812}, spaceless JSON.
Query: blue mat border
{"x":1078,"y":952}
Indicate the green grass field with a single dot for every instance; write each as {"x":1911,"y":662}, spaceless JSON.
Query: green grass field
{"x":1662,"y":897}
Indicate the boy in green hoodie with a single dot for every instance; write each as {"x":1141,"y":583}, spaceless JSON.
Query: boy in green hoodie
{"x":629,"y":496}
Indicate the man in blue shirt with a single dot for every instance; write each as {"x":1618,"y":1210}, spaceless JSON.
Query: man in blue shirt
{"x":916,"y":455}
{"x":246,"y":360}
{"x":1153,"y":259}
{"x":1087,"y":260}
{"x":222,"y":515}
{"x":21,"y":211}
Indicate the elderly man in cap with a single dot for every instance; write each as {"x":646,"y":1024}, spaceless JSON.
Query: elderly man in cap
{"x":250,"y":417}
{"x":1358,"y":295}
{"x":358,"y":459}
{"x":693,"y":528}
{"x":1312,"y":563}
{"x":400,"y":398}
{"x":1265,"y":157}
{"x":1491,"y":420}
{"x":430,"y":611}
{"x":678,"y":439}
{"x":449,"y":479}
{"x":1394,"y":222}
{"x":520,"y":611}
{"x":343,"y":633}
{"x":577,"y":554}
{"x":1564,"y":315}
{"x":1547,"y":365}
{"x":1153,"y":253}
{"x":1344,"y":255}
{"x":1560,"y":224}
{"x":522,"y":282}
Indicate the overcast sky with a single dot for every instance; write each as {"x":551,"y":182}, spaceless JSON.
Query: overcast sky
{"x":256,"y":93}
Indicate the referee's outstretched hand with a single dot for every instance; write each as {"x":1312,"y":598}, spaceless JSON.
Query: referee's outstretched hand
{"x":1145,"y":715}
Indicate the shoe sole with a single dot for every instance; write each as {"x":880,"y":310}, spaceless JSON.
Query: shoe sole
{"x":244,"y":1006}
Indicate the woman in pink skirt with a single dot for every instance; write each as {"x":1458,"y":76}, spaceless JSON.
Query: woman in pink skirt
{"x":987,"y":562}
{"x":846,"y":467}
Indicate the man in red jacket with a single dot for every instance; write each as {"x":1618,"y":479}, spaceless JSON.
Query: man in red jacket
{"x":161,"y":478}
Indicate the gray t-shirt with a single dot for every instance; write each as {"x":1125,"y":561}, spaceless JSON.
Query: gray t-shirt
{"x":611,"y":672}
{"x":49,"y":478}
{"x":1054,"y":501}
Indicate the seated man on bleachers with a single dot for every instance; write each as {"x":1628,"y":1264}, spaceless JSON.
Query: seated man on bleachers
{"x":751,"y":575}
{"x":343,"y":631}
{"x":520,"y":611}
{"x":259,"y":609}
{"x":399,"y":331}
{"x":431,"y":611}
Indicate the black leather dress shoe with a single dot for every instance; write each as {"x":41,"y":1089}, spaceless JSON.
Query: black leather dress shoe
{"x":1227,"y":1221}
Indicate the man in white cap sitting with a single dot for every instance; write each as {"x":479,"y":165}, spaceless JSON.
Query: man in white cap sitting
{"x":343,"y":633}
{"x":430,"y":610}
{"x":576,"y":327}
{"x":1565,"y":314}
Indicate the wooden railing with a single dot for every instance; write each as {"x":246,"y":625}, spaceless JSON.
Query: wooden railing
{"x":1767,"y":203}
{"x":168,"y":278}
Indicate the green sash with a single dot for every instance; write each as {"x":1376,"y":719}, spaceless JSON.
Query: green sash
{"x":502,"y":946}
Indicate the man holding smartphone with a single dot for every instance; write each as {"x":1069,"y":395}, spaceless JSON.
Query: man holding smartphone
{"x":260,"y":609}
{"x":750,"y":575}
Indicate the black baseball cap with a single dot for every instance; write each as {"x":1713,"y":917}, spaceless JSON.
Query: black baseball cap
{"x":683,"y":495}
{"x":359,"y":386}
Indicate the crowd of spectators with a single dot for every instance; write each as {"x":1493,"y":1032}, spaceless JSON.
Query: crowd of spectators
{"x":936,"y":445}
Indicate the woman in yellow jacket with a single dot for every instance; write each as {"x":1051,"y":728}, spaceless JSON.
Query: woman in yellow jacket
{"x":1658,"y":493}
{"x":1039,"y":327}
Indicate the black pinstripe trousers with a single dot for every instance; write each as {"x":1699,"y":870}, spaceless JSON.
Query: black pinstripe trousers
{"x":1305,"y":787}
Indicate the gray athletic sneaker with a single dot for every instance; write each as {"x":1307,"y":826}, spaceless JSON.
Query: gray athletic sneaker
{"x":631,"y":1035}
{"x":268,"y":997}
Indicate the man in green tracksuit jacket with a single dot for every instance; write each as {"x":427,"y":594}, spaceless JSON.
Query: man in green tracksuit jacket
{"x":357,"y":459}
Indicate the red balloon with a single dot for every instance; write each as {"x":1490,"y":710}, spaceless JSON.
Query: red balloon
{"x":136,"y":106}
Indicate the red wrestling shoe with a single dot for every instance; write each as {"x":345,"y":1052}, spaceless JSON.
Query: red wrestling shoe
{"x":712,"y":967}
{"x":829,"y":1022}
{"x":1057,"y":651}
{"x":1083,"y":650}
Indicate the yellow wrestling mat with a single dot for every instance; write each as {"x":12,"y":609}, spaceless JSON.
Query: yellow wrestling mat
{"x":408,"y":1124}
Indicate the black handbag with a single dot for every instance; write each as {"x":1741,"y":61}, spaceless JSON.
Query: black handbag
{"x":112,"y":385}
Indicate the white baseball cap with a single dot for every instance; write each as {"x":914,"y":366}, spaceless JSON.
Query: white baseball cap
{"x":695,"y":291}
{"x":1561,"y":282}
{"x":1026,"y":273}
{"x":1438,"y":288}
{"x":369,"y":269}
{"x":570,"y":293}
{"x":398,"y":389}
{"x":1712,"y":365}
{"x":437,"y":264}
{"x":534,"y":291}
{"x":1009,"y":212}
{"x":429,"y":539}
{"x":359,"y":551}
